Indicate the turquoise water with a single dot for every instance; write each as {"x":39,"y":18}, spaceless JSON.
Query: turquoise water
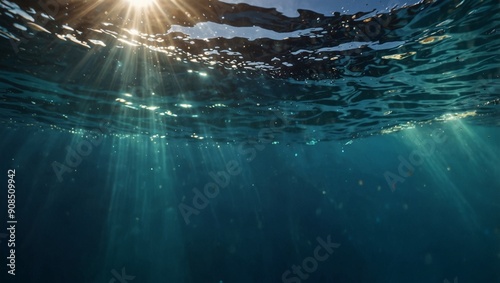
{"x":210,"y":141}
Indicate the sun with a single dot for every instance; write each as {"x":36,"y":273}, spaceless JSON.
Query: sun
{"x":140,"y":3}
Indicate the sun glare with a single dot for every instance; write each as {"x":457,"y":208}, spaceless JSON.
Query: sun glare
{"x":140,"y":3}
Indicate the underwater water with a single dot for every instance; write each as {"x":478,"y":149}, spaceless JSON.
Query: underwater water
{"x":245,"y":141}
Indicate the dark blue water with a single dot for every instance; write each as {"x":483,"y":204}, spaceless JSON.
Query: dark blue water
{"x":209,"y":141}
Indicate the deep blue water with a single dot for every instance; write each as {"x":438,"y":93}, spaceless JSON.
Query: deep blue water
{"x":205,"y":141}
